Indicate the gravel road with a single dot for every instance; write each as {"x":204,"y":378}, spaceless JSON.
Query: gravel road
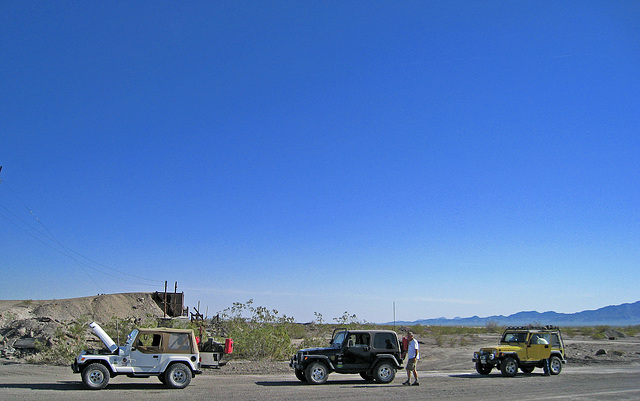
{"x":41,"y":382}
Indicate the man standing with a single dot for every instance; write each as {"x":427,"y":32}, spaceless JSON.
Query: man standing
{"x":413,"y":355}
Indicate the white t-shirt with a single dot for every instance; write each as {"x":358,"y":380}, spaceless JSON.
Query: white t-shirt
{"x":414,"y":347}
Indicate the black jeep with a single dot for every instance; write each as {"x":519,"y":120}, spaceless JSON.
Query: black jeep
{"x":374,"y":354}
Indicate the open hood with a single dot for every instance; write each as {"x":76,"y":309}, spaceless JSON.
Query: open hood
{"x":108,"y":342}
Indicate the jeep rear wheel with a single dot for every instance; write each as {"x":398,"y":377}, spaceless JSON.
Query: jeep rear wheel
{"x":509,"y":367}
{"x":384,"y":372}
{"x":316,"y":373}
{"x":555,"y":365}
{"x":483,"y":369}
{"x":95,"y":376}
{"x":178,"y":376}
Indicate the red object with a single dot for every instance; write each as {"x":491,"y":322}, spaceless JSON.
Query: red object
{"x":228,"y":346}
{"x":197,"y":340}
{"x":405,"y":344}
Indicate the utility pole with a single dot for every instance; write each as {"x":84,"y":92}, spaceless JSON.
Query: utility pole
{"x":394,"y":316}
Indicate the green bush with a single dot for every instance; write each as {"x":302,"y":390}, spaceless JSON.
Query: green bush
{"x":67,"y":342}
{"x":118,"y":329}
{"x":257,"y":332}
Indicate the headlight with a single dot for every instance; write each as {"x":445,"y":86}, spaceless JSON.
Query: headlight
{"x":492,"y":356}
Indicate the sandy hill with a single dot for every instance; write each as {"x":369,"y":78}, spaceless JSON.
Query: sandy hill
{"x":41,"y":318}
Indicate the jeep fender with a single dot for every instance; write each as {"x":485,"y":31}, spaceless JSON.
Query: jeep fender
{"x":112,"y":372}
{"x":509,"y":355}
{"x":323,"y":358}
{"x":194,"y":372}
{"x":559,"y":355}
{"x":386,"y":357}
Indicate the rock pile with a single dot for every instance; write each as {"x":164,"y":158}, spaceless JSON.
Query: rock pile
{"x":22,"y":323}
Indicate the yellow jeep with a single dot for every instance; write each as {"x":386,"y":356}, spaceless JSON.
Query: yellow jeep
{"x":526,"y":348}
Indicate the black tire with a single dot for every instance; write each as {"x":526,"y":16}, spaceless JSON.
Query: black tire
{"x":384,"y":372}
{"x":95,"y":376}
{"x":177,"y":376}
{"x":483,"y":369}
{"x":509,"y":367}
{"x":367,"y":376}
{"x":300,"y":375}
{"x":555,"y":365}
{"x":316,"y":373}
{"x":527,"y":369}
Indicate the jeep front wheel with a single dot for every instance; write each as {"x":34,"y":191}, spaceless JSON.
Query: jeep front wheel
{"x":483,"y":369}
{"x":300,"y":375}
{"x":316,"y":373}
{"x":555,"y":365}
{"x":509,"y":367}
{"x":367,"y":376}
{"x":95,"y":376}
{"x":178,"y":376}
{"x":384,"y":372}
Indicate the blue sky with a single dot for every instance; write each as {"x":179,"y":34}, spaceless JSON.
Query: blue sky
{"x":323,"y":156}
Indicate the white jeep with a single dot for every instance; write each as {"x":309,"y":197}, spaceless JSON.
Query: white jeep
{"x":170,"y":354}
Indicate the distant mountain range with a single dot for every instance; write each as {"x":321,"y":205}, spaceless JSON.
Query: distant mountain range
{"x":614,"y":315}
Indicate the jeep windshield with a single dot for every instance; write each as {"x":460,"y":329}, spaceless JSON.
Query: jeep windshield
{"x":511,"y":337}
{"x":132,"y":336}
{"x":338,"y":339}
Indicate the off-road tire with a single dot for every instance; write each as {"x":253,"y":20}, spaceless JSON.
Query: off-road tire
{"x":384,"y":372}
{"x":95,"y":376}
{"x":527,"y":369}
{"x":509,"y":367}
{"x":177,"y":376}
{"x":483,"y":369}
{"x":300,"y":375}
{"x":555,"y":365}
{"x":367,"y":376}
{"x":316,"y":373}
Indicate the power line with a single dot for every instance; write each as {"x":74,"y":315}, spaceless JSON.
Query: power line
{"x":66,"y":251}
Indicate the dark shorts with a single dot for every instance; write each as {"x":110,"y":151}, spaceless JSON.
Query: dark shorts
{"x":411,"y":364}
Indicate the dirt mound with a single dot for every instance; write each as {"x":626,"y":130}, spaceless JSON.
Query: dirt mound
{"x":40,"y":319}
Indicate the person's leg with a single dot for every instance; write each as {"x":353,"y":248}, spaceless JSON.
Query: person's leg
{"x":409,"y":368}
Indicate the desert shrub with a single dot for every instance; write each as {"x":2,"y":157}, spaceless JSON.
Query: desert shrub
{"x":493,"y":327}
{"x":439,"y":338}
{"x":599,"y":332}
{"x":351,"y":322}
{"x":258,"y":333}
{"x":314,"y":342}
{"x":631,"y":331}
{"x":67,"y":342}
{"x":118,"y":329}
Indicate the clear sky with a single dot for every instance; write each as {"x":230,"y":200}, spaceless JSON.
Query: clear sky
{"x":457,"y":158}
